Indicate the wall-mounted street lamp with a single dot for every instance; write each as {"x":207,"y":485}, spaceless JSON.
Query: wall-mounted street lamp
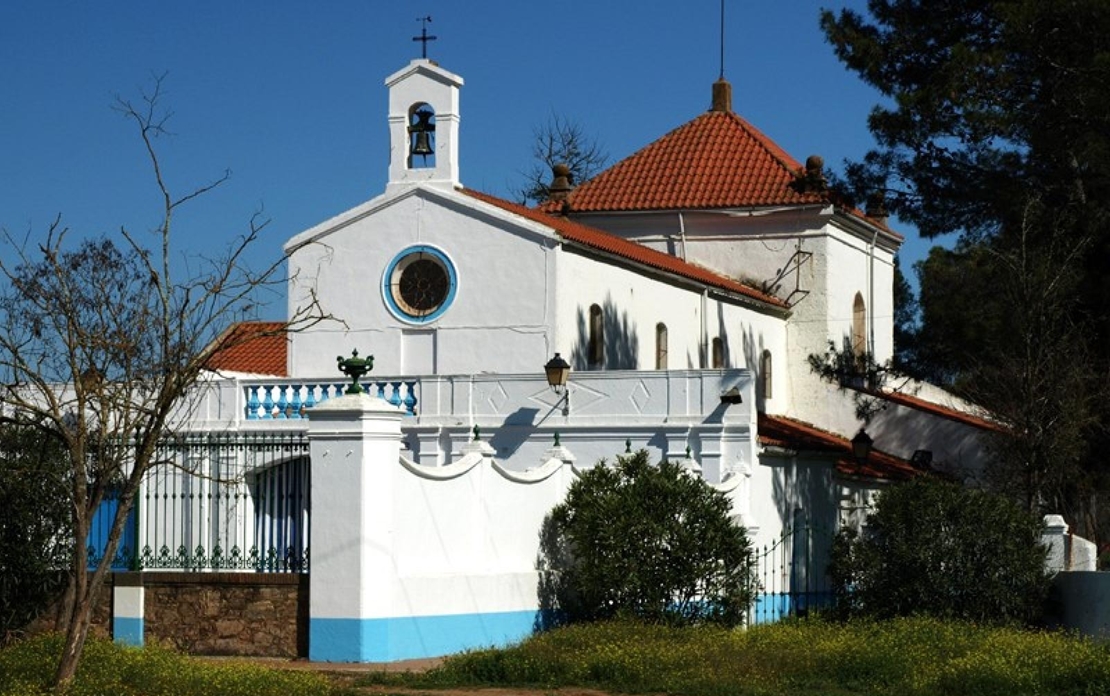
{"x":861,"y":446}
{"x":557,"y":371}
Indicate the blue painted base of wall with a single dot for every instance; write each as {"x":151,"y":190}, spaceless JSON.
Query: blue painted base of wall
{"x":775,"y":606}
{"x":410,"y":637}
{"x":127,"y":631}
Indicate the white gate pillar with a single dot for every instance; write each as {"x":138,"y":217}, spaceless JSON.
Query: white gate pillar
{"x":355,"y":445}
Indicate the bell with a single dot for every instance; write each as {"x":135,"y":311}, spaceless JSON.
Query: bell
{"x":422,"y":145}
{"x":422,"y":129}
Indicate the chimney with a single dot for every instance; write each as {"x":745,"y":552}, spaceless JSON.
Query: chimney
{"x":876,"y":207}
{"x":560,"y":186}
{"x":722,"y":96}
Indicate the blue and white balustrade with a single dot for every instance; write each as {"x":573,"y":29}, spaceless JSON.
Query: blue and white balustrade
{"x":289,"y":401}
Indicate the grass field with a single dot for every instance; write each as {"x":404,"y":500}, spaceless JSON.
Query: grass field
{"x":912,"y":657}
{"x":108,"y":669}
{"x":904,"y":657}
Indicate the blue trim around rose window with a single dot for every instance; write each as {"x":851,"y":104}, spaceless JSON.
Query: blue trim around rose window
{"x":387,"y":293}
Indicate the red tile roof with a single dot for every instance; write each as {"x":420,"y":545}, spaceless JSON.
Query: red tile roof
{"x":936,"y":409}
{"x":717,"y":160}
{"x":255,"y":347}
{"x":779,"y":431}
{"x":603,"y":241}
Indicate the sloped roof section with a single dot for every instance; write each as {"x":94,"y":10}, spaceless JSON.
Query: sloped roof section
{"x":717,"y":160}
{"x":254,"y":347}
{"x":939,"y":410}
{"x":779,"y":431}
{"x":638,"y":253}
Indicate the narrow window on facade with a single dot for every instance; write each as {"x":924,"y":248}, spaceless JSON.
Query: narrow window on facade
{"x":597,"y":337}
{"x":718,"y":353}
{"x":660,"y":346}
{"x":859,"y":326}
{"x":765,"y":374}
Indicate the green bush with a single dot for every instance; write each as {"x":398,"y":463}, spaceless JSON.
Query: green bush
{"x":936,"y":548}
{"x":643,"y":541}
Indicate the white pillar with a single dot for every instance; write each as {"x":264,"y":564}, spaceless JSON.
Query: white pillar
{"x":128,"y":600}
{"x":355,"y":447}
{"x":1055,"y":539}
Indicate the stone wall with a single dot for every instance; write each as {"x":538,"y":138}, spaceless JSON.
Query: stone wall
{"x":51,"y":617}
{"x":255,"y":614}
{"x":249,"y":614}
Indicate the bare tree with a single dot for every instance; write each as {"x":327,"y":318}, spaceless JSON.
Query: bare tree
{"x":1040,"y":380}
{"x":104,"y":347}
{"x":560,"y":141}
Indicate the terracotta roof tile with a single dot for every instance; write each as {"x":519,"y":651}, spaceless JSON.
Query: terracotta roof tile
{"x":603,"y":241}
{"x":717,"y":160}
{"x":255,"y":347}
{"x":936,"y":409}
{"x":779,"y":431}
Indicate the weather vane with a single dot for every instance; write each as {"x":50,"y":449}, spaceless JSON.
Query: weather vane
{"x":722,"y":39}
{"x":424,"y":38}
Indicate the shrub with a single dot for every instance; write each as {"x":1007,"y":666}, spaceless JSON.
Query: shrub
{"x":643,"y":541}
{"x":34,"y":524}
{"x":937,"y":548}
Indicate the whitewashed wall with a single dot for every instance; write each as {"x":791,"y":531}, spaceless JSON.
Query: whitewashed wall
{"x":501,"y":315}
{"x":634,"y":304}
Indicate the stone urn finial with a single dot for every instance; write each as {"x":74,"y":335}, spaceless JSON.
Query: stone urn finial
{"x":355,"y":367}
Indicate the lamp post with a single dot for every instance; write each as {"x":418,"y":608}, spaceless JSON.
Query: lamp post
{"x":861,"y":446}
{"x":557,"y":371}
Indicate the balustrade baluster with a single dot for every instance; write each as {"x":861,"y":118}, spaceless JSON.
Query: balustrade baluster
{"x":268,"y":404}
{"x":295,"y":404}
{"x":282,"y":403}
{"x":252,"y":403}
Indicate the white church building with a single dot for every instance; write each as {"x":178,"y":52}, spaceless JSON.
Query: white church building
{"x":685,"y":287}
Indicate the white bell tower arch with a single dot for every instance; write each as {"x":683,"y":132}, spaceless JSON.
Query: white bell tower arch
{"x":423,"y":86}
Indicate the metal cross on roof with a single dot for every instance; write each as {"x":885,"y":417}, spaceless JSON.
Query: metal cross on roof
{"x":424,"y":38}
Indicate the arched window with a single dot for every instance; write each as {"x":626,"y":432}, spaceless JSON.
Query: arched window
{"x":718,"y":353}
{"x":660,"y":346}
{"x":597,"y":337}
{"x":859,"y":326}
{"x":766,"y":372}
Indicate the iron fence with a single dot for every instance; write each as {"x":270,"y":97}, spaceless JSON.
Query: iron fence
{"x":791,"y":573}
{"x":214,"y":501}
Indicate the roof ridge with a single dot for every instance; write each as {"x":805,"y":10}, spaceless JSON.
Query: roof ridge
{"x":784,"y":158}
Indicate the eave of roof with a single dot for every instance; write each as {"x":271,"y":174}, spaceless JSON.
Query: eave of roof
{"x":932,"y":408}
{"x":787,"y":433}
{"x":596,"y":239}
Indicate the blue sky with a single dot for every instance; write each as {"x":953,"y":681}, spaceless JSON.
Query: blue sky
{"x":289,"y":97}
